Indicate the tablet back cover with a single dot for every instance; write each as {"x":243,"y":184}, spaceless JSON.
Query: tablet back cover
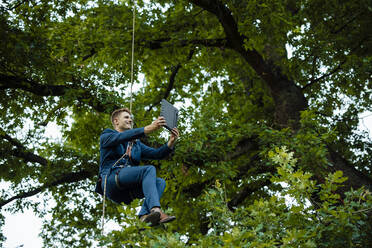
{"x":170,"y":113}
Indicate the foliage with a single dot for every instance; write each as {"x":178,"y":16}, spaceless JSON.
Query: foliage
{"x":248,"y":77}
{"x":285,"y":219}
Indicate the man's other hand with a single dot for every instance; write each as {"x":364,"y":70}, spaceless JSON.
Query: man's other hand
{"x":174,"y":136}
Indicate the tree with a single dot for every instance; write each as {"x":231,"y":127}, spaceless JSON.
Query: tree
{"x":242,"y":95}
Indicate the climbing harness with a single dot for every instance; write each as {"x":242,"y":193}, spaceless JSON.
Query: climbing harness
{"x":128,"y":156}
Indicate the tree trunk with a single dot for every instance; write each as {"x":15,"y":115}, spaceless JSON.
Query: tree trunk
{"x":288,"y":97}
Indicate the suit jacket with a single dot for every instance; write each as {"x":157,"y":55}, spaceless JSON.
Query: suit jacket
{"x":113,"y":145}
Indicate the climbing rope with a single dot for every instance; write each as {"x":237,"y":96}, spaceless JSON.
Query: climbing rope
{"x":104,"y":194}
{"x":103,"y":210}
{"x":130,"y":109}
{"x":132,"y":63}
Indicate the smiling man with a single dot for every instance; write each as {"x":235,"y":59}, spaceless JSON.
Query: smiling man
{"x":120,"y":155}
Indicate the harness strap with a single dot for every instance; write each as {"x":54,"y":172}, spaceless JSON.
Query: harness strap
{"x":117,"y":180}
{"x":128,"y":154}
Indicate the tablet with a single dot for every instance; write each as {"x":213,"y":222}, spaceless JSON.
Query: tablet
{"x":170,"y":113}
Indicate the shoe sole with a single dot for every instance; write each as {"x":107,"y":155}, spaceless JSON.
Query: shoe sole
{"x":169,"y":219}
{"x":153,"y":218}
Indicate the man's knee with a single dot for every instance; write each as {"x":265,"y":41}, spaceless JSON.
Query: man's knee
{"x":150,"y":169}
{"x":161,"y":182}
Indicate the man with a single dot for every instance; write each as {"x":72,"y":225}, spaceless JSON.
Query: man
{"x":125,"y":180}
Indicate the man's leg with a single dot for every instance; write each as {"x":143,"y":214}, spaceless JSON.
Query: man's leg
{"x":132,"y":178}
{"x":164,"y":218}
{"x":160,"y":186}
{"x":141,"y":178}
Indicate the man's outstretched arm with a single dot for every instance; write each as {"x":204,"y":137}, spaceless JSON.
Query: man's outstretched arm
{"x":163,"y":151}
{"x":112,"y":138}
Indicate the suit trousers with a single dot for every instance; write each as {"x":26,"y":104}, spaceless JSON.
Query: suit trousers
{"x":136,"y":182}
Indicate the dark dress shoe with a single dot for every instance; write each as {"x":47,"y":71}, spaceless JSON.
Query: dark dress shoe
{"x":153,"y":218}
{"x":166,"y":218}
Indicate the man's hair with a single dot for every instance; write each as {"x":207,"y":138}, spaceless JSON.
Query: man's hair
{"x":116,"y":114}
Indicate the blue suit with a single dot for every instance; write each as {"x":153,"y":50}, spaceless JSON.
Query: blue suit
{"x":134,"y":181}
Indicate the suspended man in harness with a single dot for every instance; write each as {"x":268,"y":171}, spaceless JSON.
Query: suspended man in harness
{"x":120,"y":154}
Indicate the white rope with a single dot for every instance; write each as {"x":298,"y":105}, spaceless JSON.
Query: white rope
{"x":104,"y":195}
{"x":130,"y":109}
{"x":132,"y":64}
{"x":104,"y":201}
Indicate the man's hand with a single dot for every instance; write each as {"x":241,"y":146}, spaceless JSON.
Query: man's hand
{"x":155,"y":125}
{"x":174,"y":136}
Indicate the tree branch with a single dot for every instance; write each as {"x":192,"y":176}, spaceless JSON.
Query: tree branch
{"x":16,"y":5}
{"x":174,"y":73}
{"x":336,"y":69}
{"x":224,"y":16}
{"x":66,"y":178}
{"x":171,"y":80}
{"x":356,"y":179}
{"x":243,"y":147}
{"x":236,"y":41}
{"x":21,"y":151}
{"x":162,"y":43}
{"x":84,"y":96}
{"x":245,"y":192}
{"x":91,"y":54}
{"x":347,"y":23}
{"x":13,"y":82}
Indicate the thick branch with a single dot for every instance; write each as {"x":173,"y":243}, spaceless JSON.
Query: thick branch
{"x":84,"y":97}
{"x":243,"y":147}
{"x":66,"y":178}
{"x":356,"y":179}
{"x":288,"y":97}
{"x":162,"y":43}
{"x":245,"y":192}
{"x":13,"y":82}
{"x":21,"y":151}
{"x":224,"y":16}
{"x":91,"y":54}
{"x":172,"y":79}
{"x":236,"y":40}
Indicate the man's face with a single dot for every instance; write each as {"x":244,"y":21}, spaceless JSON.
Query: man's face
{"x":123,"y":121}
